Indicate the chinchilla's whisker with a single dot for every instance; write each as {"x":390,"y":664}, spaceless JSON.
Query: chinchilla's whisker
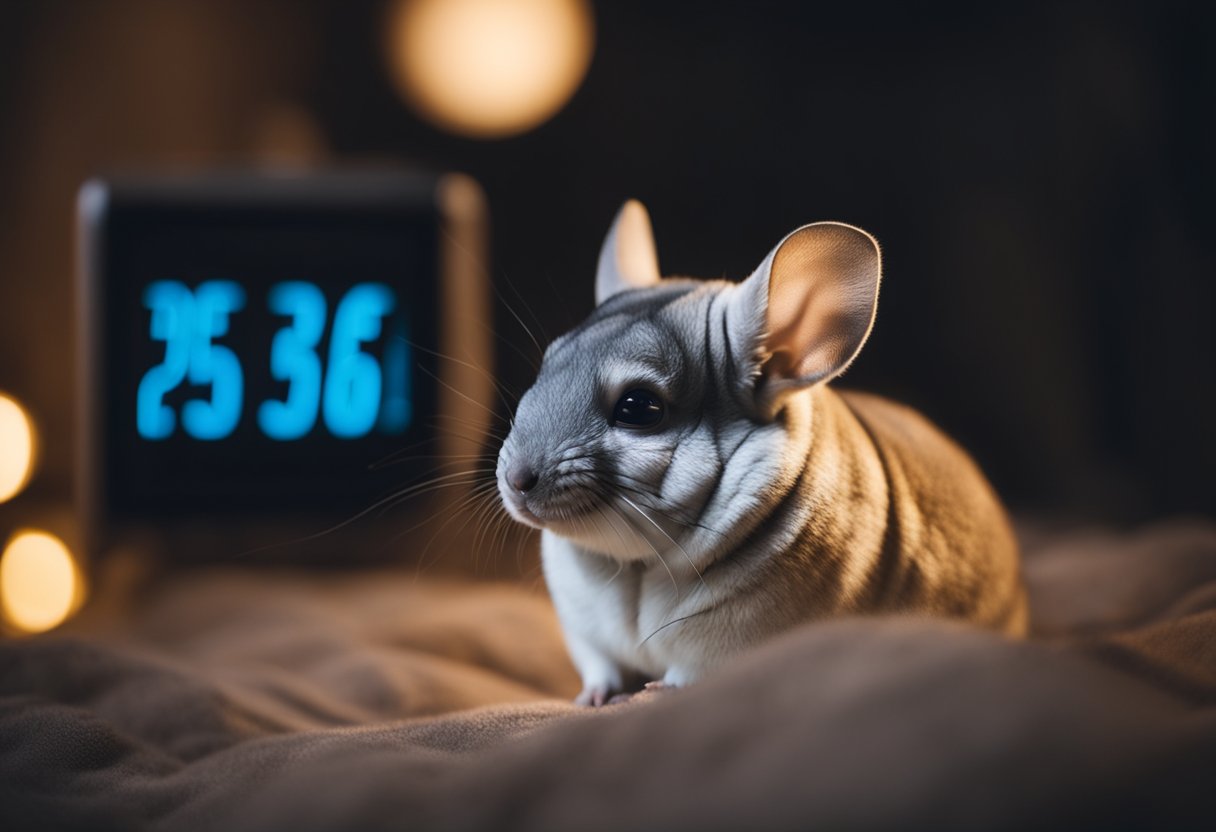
{"x":439,"y":421}
{"x":498,"y":336}
{"x":473,"y":498}
{"x":539,"y":349}
{"x":579,"y":456}
{"x":520,"y":539}
{"x":616,"y":529}
{"x":474,"y":475}
{"x":473,"y":434}
{"x":663,"y":532}
{"x":433,"y":484}
{"x":480,"y":517}
{"x":490,"y":455}
{"x":451,"y":239}
{"x":502,"y":391}
{"x":449,"y":508}
{"x":678,"y":520}
{"x":471,"y":439}
{"x":524,"y":539}
{"x":502,"y":531}
{"x":475,"y":492}
{"x":395,"y":498}
{"x":671,"y":622}
{"x":445,"y":460}
{"x":434,"y":489}
{"x":620,"y":567}
{"x":462,"y":395}
{"x":613,"y":487}
{"x":637,"y":481}
{"x":387,"y":458}
{"x":484,"y":524}
{"x":502,"y":535}
{"x":527,"y":307}
{"x":675,"y":585}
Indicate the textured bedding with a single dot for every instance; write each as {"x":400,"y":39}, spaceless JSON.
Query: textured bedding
{"x":253,"y":700}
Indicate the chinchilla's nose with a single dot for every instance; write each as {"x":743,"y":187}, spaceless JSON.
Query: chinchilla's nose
{"x":522,"y":477}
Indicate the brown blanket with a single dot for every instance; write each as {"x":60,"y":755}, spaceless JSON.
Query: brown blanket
{"x":377,"y":701}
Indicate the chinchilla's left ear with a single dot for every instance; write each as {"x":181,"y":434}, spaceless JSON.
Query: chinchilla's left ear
{"x":803,"y":315}
{"x":627,"y":258}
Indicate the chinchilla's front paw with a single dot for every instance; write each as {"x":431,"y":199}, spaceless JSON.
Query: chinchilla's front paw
{"x":595,"y":696}
{"x":649,"y":691}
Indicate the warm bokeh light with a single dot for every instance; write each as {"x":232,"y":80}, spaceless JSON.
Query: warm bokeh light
{"x":39,"y":582}
{"x":17,"y":446}
{"x":490,"y":68}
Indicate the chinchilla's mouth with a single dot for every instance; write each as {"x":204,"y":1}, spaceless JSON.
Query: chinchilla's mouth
{"x":543,"y":514}
{"x":527,"y":516}
{"x":549,"y":514}
{"x":519,"y":511}
{"x":540,"y":514}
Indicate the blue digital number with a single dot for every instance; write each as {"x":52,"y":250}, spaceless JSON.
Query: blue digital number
{"x":214,"y":418}
{"x":293,"y":358}
{"x":351,"y":392}
{"x":187,"y":322}
{"x":172,"y":306}
{"x":352,"y":382}
{"x":396,"y":410}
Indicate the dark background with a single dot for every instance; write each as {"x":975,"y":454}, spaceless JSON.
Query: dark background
{"x":1040,"y":176}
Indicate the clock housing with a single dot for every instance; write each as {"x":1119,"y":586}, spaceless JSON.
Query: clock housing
{"x":267,"y":356}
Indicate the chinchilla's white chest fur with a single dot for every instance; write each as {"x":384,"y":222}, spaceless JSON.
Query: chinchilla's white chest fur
{"x":699,"y":488}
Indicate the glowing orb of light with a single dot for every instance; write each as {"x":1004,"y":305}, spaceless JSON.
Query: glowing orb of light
{"x":489,"y":68}
{"x":17,"y":446}
{"x":39,"y":584}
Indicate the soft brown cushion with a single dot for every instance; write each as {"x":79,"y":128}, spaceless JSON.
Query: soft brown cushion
{"x":236,"y":700}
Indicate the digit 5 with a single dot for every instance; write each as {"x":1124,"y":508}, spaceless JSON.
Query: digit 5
{"x":213,"y":364}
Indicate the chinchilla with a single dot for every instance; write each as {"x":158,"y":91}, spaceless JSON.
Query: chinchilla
{"x":700,"y":488}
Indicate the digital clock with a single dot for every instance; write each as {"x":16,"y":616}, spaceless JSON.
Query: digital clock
{"x":253,"y":346}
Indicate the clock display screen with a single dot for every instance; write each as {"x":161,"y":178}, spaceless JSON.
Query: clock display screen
{"x":353,"y":390}
{"x":263,"y":357}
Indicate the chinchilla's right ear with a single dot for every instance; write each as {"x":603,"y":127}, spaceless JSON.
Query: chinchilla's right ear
{"x":804,"y":314}
{"x":627,"y":258}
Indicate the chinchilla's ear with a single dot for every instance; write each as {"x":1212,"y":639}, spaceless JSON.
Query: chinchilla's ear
{"x":803,"y":315}
{"x":628,"y":259}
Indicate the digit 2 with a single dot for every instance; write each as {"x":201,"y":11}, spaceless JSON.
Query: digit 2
{"x":187,"y":322}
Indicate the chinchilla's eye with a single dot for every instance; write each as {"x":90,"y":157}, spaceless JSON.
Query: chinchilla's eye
{"x":637,"y":409}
